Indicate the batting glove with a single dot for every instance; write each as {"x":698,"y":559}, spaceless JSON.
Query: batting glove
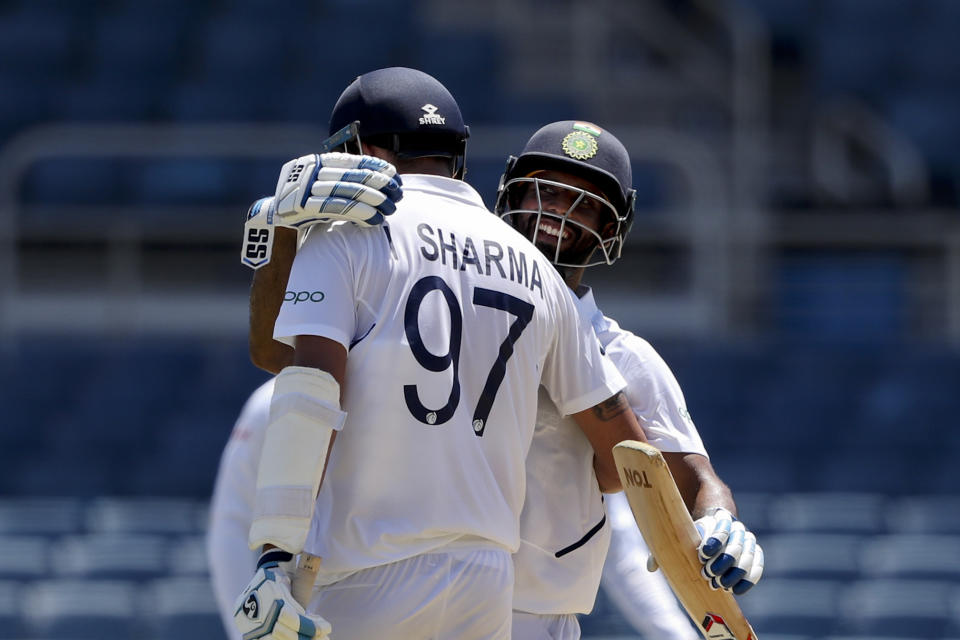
{"x":336,"y":186}
{"x":266,"y":610}
{"x":732,"y":559}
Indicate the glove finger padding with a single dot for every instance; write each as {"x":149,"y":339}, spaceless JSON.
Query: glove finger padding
{"x":266,"y":609}
{"x":353,"y":191}
{"x":388,"y":186}
{"x":754,"y":572}
{"x":336,"y":186}
{"x":715,"y":531}
{"x":340,"y":160}
{"x":729,"y":555}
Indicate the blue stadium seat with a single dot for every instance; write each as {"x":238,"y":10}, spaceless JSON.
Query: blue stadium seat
{"x":873,"y":15}
{"x":242,"y":51}
{"x":855,"y":298}
{"x":532,"y":110}
{"x":139,"y":48}
{"x":180,"y":181}
{"x":655,"y":185}
{"x":467,"y":63}
{"x":251,"y":179}
{"x":940,"y":12}
{"x":869,"y":469}
{"x":25,"y":103}
{"x":756,"y":468}
{"x":910,"y":608}
{"x":924,"y":514}
{"x":925,"y":556}
{"x":820,"y":556}
{"x":835,"y":512}
{"x":82,"y":609}
{"x":184,"y":461}
{"x":187,"y":556}
{"x":11,"y":602}
{"x":169,"y":516}
{"x":211,"y":102}
{"x":928,"y":118}
{"x":64,"y":467}
{"x":910,"y":398}
{"x":69,"y":181}
{"x":23,"y":557}
{"x":183,"y":602}
{"x":36,"y":44}
{"x":106,"y":100}
{"x":752,"y":509}
{"x":848,"y":59}
{"x":784,"y":15}
{"x":35,"y":515}
{"x":110,"y":555}
{"x":928,"y":57}
{"x":792,"y":606}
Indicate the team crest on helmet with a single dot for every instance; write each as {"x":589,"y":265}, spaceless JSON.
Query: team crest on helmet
{"x":579,"y":145}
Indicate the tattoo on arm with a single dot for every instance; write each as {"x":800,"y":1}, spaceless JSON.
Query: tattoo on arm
{"x":611,"y":407}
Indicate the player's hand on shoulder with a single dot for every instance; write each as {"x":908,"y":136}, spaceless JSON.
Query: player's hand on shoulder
{"x":266,"y":609}
{"x":732,"y":559}
{"x":336,"y":186}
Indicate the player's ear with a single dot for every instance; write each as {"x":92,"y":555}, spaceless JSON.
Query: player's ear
{"x":379,"y":152}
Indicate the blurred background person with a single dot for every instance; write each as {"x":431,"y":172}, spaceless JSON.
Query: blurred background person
{"x":796,"y":166}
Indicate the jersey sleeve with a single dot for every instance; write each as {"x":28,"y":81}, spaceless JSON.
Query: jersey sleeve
{"x":231,"y":507}
{"x":321,"y":297}
{"x":655,"y":396}
{"x":577,"y":374}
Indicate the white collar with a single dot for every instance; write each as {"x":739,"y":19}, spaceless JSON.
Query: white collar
{"x":441,"y":186}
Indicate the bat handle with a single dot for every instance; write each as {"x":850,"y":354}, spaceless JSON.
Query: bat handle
{"x":304,"y":576}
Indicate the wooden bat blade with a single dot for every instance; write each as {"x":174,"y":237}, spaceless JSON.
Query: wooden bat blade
{"x":672,"y":537}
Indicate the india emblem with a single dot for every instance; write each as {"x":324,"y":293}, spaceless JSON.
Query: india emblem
{"x":579,"y":145}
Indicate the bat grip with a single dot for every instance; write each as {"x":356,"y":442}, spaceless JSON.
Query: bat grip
{"x":304,"y":576}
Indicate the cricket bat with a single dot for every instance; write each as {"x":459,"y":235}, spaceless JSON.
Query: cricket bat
{"x":669,"y":531}
{"x":301,"y":582}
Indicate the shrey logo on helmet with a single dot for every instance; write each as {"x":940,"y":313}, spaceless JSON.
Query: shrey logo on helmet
{"x":431,"y":116}
{"x":587,"y":152}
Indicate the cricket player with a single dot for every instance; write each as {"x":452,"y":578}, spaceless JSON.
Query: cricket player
{"x":569,"y":192}
{"x":644,"y":598}
{"x":452,"y":320}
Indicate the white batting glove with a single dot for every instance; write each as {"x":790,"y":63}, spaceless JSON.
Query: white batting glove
{"x":266,"y":610}
{"x":732,"y":559}
{"x":336,"y":186}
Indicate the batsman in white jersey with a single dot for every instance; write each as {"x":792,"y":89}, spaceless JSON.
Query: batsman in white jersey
{"x":451,"y":320}
{"x":643,"y":598}
{"x":569,"y":191}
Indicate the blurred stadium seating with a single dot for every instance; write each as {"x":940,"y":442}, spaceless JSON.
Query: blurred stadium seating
{"x":826,"y":395}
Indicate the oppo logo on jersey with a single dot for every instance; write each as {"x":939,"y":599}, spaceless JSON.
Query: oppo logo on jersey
{"x":296,"y":297}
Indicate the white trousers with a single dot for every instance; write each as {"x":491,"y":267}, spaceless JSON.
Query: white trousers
{"x":533,"y":626}
{"x":455,"y":594}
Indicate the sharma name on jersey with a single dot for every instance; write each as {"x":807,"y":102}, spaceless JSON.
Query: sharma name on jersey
{"x":510,"y":265}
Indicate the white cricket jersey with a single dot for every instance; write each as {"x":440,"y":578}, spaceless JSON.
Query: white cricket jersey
{"x":453,"y":320}
{"x":563,"y":529}
{"x":231,"y":507}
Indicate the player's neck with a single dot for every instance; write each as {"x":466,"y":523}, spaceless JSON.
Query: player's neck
{"x":571,"y":276}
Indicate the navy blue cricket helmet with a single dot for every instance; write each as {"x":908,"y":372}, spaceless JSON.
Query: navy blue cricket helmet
{"x":406,"y":111}
{"x":584,"y":150}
